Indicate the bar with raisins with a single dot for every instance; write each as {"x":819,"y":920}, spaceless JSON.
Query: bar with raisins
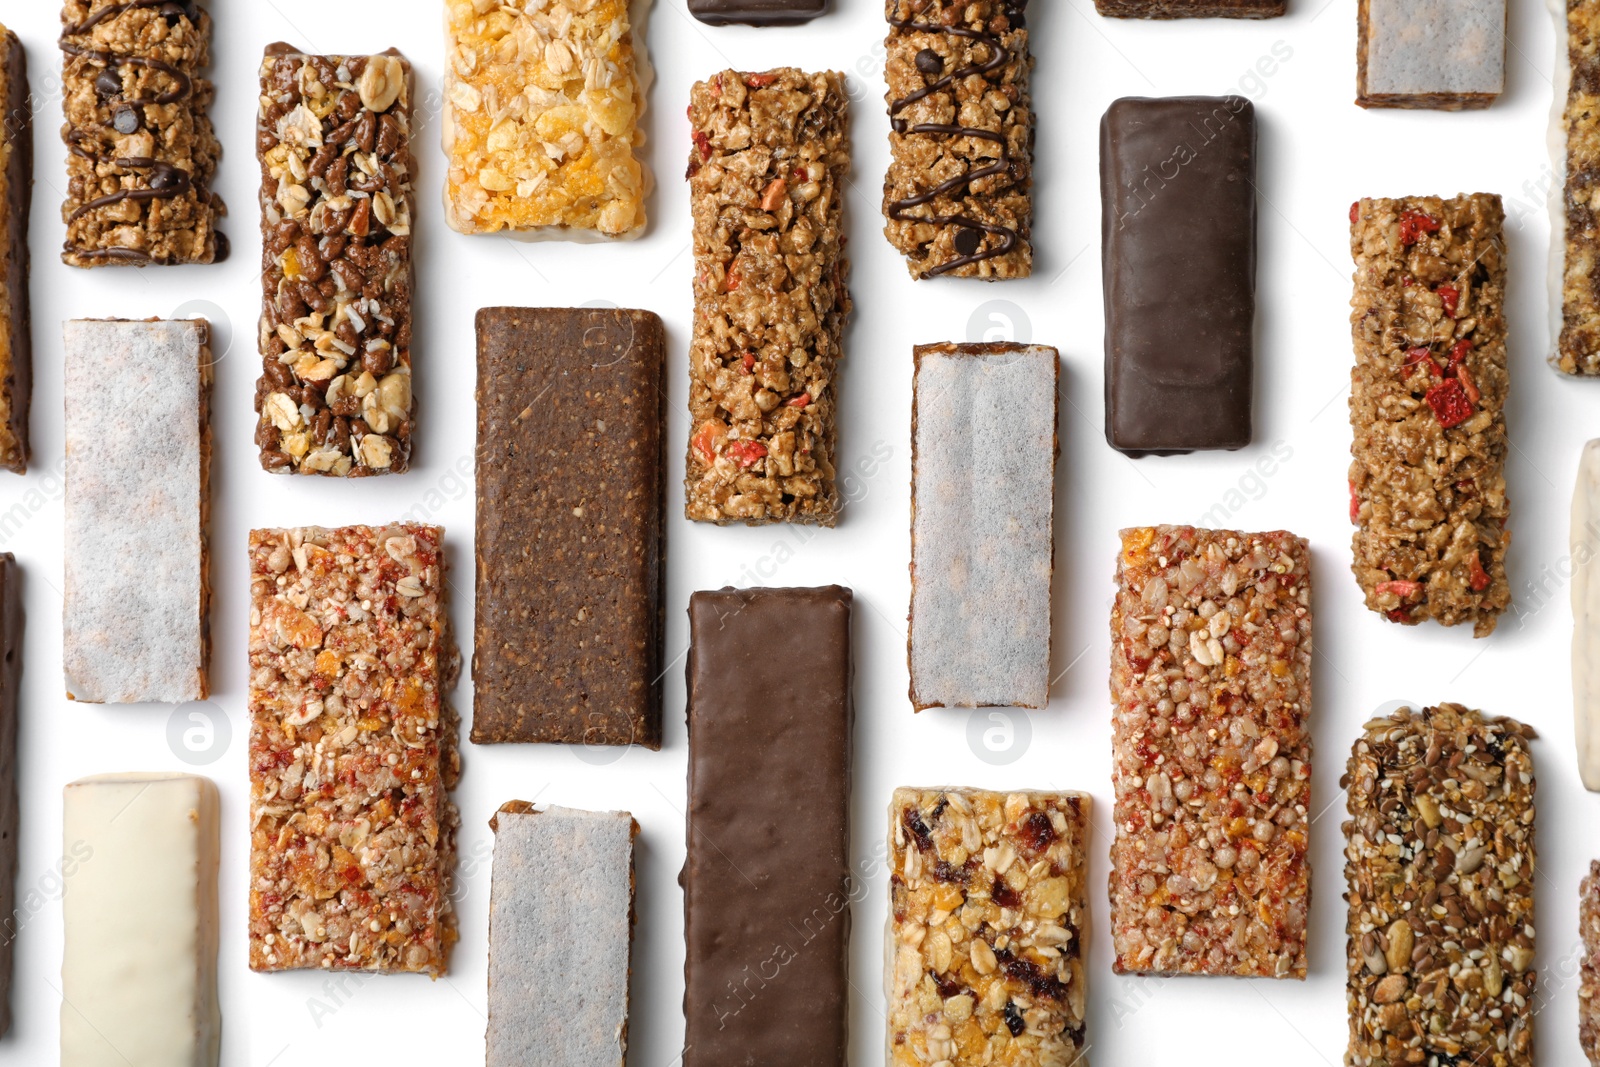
{"x":1446,"y":55}
{"x":1574,"y":232}
{"x":16,"y":195}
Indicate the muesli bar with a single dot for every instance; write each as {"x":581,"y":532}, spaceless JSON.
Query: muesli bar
{"x":352,"y":750}
{"x":766,"y":181}
{"x":988,"y":909}
{"x":11,"y":621}
{"x":141,"y":151}
{"x":1439,"y":859}
{"x":958,"y":198}
{"x":1211,"y":745}
{"x":1447,"y":55}
{"x":541,"y":120}
{"x":333,"y":134}
{"x":16,"y":195}
{"x":1575,"y":228}
{"x":1427,"y":409}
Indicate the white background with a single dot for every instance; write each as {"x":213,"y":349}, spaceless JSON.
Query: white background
{"x":1318,"y":152}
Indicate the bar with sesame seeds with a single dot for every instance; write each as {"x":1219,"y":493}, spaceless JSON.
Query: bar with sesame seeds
{"x":1211,"y":746}
{"x":16,"y":195}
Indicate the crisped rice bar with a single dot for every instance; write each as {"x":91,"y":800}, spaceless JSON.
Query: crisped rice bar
{"x":766,"y":176}
{"x":958,"y":198}
{"x":1442,"y":54}
{"x":1589,"y":966}
{"x":988,"y":907}
{"x":1211,"y":744}
{"x":141,"y":151}
{"x":333,"y":135}
{"x":541,"y":119}
{"x":1427,"y":399}
{"x":1439,"y":858}
{"x":352,"y":750}
{"x":1575,"y":229}
{"x":16,"y":194}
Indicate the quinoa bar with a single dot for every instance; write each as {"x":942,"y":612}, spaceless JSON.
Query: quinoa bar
{"x":1427,"y":400}
{"x":1446,"y":55}
{"x":1585,"y":563}
{"x":352,"y":750}
{"x":333,"y":135}
{"x":541,"y":120}
{"x":1589,"y":965}
{"x":16,"y":195}
{"x":756,"y":12}
{"x":983,"y":461}
{"x":11,"y":622}
{"x":958,"y":198}
{"x":1440,"y":865}
{"x":141,"y":151}
{"x":1575,"y":228}
{"x":1211,"y":743}
{"x":138,"y":454}
{"x":571,"y":502}
{"x":766,"y":177}
{"x":988,"y":908}
{"x":1191,"y":9}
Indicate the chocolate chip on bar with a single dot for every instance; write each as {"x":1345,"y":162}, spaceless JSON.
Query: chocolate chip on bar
{"x":1440,"y":54}
{"x":333,"y":135}
{"x":1575,"y":230}
{"x":16,"y":194}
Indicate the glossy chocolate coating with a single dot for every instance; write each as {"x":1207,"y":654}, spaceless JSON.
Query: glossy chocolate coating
{"x":757,"y":12}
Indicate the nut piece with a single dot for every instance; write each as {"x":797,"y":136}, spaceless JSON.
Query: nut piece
{"x":381,"y":82}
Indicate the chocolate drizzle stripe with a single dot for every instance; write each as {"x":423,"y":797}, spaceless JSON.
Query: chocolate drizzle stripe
{"x":111,"y":11}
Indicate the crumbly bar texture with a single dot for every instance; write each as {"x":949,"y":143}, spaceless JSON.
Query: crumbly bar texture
{"x":1589,"y":967}
{"x":1439,"y":857}
{"x":16,"y":194}
{"x":1211,"y":745}
{"x":1191,"y":9}
{"x":141,"y":151}
{"x":958,"y":198}
{"x":333,"y":135}
{"x":988,"y":907}
{"x":1578,"y":341}
{"x":352,"y":750}
{"x":1427,"y":409}
{"x":766,"y":177}
{"x":1443,"y":55}
{"x":541,"y":113}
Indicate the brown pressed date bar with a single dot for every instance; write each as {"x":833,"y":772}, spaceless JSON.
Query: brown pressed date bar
{"x":1442,"y":54}
{"x":1575,"y":227}
{"x":16,"y":194}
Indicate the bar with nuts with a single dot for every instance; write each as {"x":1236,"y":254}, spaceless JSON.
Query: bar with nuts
{"x":1574,"y":228}
{"x":766,"y":177}
{"x":541,"y":120}
{"x":16,"y":195}
{"x":1211,"y":746}
{"x":988,"y":909}
{"x":141,"y":151}
{"x":958,"y":198}
{"x":1446,"y":55}
{"x":11,"y":623}
{"x":352,"y":750}
{"x":1427,"y":409}
{"x":333,"y":135}
{"x":1589,"y":965}
{"x":1439,"y":861}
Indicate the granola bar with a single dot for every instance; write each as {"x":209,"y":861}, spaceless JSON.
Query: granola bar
{"x":541,"y":119}
{"x":1575,"y":228}
{"x":16,"y":195}
{"x":11,"y":621}
{"x":1427,"y":409}
{"x":1439,"y":859}
{"x":1211,"y":684}
{"x":766,"y":177}
{"x":1446,"y":55}
{"x":958,"y":198}
{"x":352,"y":750}
{"x":1585,"y":563}
{"x":1589,"y":965}
{"x":141,"y":151}
{"x":988,"y":905}
{"x":334,"y":138}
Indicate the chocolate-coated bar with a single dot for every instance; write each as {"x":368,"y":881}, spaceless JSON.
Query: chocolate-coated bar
{"x":16,"y":194}
{"x":10,"y":681}
{"x":569,"y":545}
{"x":1191,"y":9}
{"x":766,"y":904}
{"x":1441,"y":54}
{"x":756,"y":12}
{"x":1178,"y":226}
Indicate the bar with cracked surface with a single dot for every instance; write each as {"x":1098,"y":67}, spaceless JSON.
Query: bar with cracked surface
{"x":1445,"y":55}
{"x":352,"y":750}
{"x":16,"y":196}
{"x":1439,"y":860}
{"x":1574,"y":278}
{"x":333,"y":136}
{"x":11,"y":625}
{"x":1211,"y":744}
{"x":766,"y":185}
{"x":988,"y":910}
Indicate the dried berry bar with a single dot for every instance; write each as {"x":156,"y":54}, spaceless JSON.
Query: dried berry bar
{"x":766,"y":177}
{"x":16,"y":194}
{"x":1211,"y":743}
{"x":1427,"y":409}
{"x":1439,"y":859}
{"x":352,"y":750}
{"x":333,"y":135}
{"x":1442,"y":54}
{"x":141,"y":151}
{"x":1589,"y":966}
{"x":958,"y":198}
{"x":1575,"y":228}
{"x":988,"y":905}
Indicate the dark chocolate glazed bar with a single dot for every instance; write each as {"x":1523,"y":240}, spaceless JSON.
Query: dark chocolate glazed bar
{"x":570,"y":498}
{"x":1190,"y":9}
{"x":766,"y":895}
{"x":1178,"y":226}
{"x":756,"y":12}
{"x":10,"y":681}
{"x":16,"y":194}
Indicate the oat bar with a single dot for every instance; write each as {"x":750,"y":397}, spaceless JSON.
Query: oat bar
{"x":141,"y":151}
{"x":958,"y":198}
{"x":10,"y":685}
{"x":1211,"y":744}
{"x":1439,"y":858}
{"x":333,"y":135}
{"x":571,"y":482}
{"x":1191,"y":9}
{"x":541,"y":120}
{"x":1575,"y":229}
{"x":983,"y":460}
{"x":1589,"y":965}
{"x":135,"y":625}
{"x":1440,"y":54}
{"x":1427,"y":400}
{"x":352,"y":750}
{"x":988,"y":908}
{"x":766,"y":177}
{"x":16,"y":195}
